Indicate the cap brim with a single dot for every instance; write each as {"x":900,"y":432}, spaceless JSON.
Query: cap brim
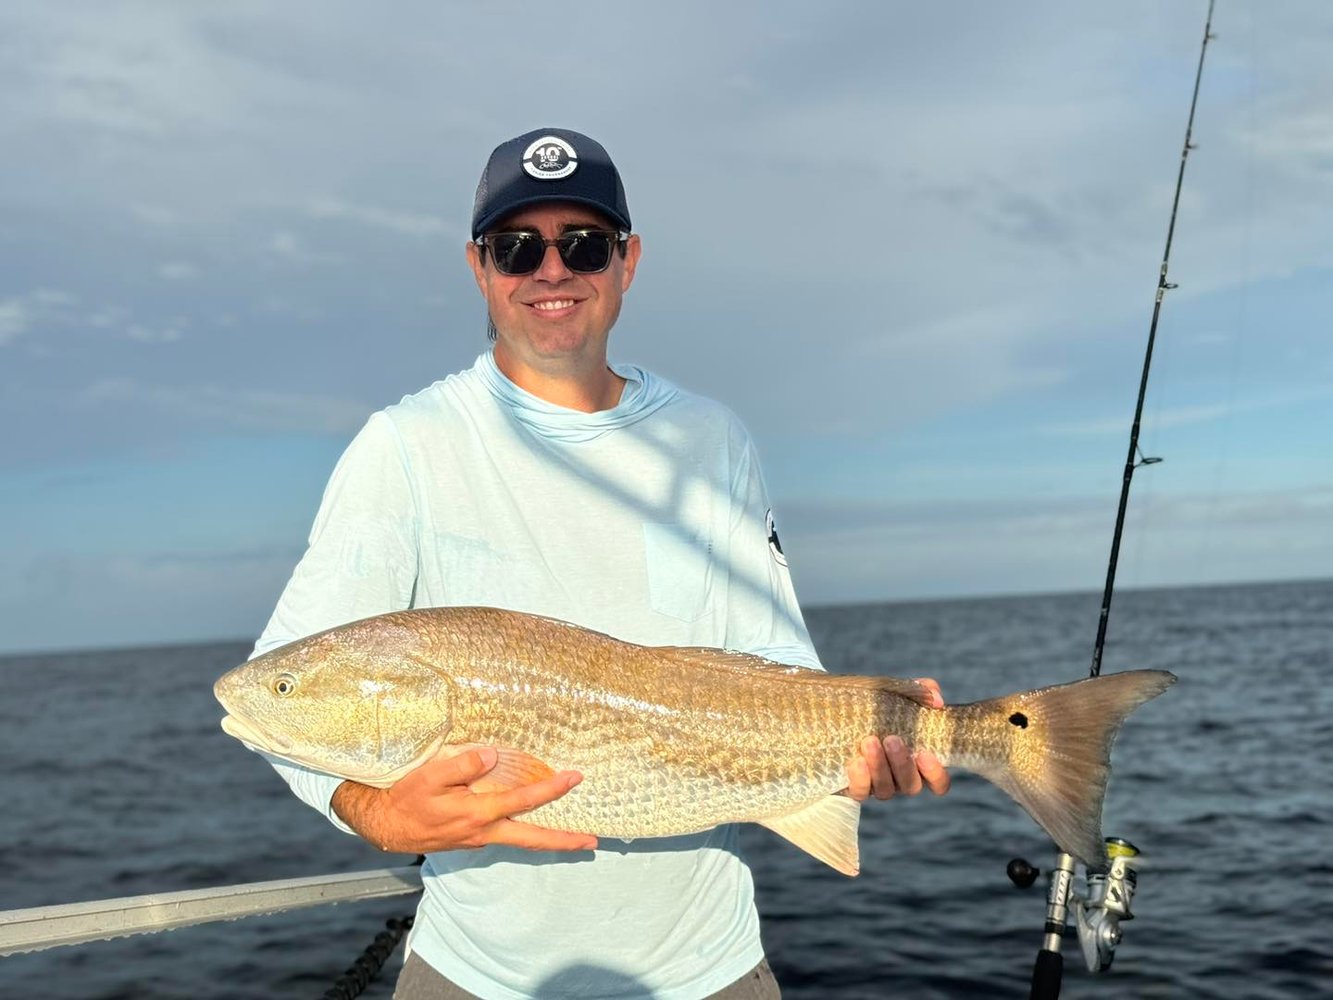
{"x":491,"y":218}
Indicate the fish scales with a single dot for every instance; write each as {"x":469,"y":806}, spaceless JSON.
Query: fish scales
{"x":638,"y":722}
{"x":668,"y":740}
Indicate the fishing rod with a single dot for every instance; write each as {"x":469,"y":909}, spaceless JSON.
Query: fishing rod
{"x":1110,"y":888}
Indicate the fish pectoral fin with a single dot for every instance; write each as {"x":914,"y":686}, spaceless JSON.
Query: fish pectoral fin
{"x":825,"y":829}
{"x":513,"y":768}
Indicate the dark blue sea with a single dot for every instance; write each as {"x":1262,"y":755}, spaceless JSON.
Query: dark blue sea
{"x":118,"y":781}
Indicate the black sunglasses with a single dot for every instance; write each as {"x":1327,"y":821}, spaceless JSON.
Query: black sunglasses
{"x":584,"y":251}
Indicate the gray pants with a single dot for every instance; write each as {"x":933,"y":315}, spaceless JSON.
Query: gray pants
{"x":419,"y":981}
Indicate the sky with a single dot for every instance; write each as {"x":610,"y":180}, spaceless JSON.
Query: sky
{"x":914,"y":246}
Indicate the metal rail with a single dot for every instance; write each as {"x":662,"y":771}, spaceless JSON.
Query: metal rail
{"x":41,"y":927}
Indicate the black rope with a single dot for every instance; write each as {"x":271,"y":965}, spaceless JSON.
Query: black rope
{"x":353,"y":982}
{"x":369,"y":963}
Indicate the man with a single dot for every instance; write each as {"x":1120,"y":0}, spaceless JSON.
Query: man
{"x":546,"y":480}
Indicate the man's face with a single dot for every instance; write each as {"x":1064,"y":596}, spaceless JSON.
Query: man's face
{"x":554,"y":319}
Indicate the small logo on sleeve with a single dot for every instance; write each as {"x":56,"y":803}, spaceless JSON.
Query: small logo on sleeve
{"x":774,"y":545}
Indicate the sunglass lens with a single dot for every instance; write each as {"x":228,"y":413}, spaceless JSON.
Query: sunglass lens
{"x":586,"y":252}
{"x":517,"y":253}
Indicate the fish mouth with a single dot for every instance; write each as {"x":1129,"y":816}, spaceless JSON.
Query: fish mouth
{"x":252,"y":737}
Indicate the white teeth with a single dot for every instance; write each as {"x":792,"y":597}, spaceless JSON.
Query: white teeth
{"x":557,"y":304}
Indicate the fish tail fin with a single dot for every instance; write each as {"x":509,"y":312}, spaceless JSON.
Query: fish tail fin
{"x":1059,"y":751}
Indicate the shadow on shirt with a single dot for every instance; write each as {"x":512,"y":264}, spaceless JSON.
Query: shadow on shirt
{"x":722,"y":839}
{"x":592,"y":981}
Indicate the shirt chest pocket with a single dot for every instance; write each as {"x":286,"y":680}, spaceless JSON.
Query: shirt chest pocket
{"x":679,"y":568}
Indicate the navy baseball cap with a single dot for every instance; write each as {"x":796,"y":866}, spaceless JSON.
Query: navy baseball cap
{"x":550,"y":164}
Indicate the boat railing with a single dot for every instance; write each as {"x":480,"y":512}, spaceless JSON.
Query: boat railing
{"x":40,"y":927}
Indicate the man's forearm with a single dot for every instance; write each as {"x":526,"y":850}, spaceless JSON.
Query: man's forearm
{"x":358,"y":806}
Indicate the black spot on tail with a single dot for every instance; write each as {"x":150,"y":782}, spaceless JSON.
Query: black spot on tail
{"x":1019,"y":719}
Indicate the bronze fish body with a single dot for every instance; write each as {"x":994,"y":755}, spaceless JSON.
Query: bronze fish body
{"x":670,"y":740}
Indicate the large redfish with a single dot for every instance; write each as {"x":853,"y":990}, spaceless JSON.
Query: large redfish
{"x":669,"y":740}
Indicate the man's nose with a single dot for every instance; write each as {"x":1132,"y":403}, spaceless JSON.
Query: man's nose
{"x":553,"y":266}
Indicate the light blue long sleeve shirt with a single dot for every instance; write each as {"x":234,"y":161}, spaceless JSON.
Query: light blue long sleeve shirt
{"x":649,"y":522}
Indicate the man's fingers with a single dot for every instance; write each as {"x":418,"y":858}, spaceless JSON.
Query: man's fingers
{"x":932,"y":772}
{"x":882,"y":785}
{"x":502,"y":805}
{"x":538,"y":838}
{"x":933,"y":686}
{"x":459,"y":769}
{"x":906,"y":777}
{"x":859,"y":782}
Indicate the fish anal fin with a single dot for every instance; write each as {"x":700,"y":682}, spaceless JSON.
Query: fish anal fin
{"x":825,"y":829}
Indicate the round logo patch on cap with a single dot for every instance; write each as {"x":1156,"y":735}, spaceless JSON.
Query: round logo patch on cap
{"x":550,"y":158}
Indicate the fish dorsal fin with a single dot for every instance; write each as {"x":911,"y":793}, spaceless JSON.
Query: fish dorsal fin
{"x":703,"y":657}
{"x":825,"y":829}
{"x":513,"y":768}
{"x":729,"y":659}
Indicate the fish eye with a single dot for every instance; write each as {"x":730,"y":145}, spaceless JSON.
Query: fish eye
{"x":284,"y":684}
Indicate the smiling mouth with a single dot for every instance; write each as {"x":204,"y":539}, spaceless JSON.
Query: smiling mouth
{"x":550,"y":305}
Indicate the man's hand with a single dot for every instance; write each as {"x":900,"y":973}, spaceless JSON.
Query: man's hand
{"x":886,"y":769}
{"x":432,"y":808}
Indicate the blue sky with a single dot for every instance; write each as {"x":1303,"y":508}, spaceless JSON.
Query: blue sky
{"x":913,"y":246}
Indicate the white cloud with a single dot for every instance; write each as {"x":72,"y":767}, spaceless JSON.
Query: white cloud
{"x":52,"y":297}
{"x":177,"y":270}
{"x":54,"y":308}
{"x":407,"y":223}
{"x":59,"y":600}
{"x":15,"y":319}
{"x":150,"y":335}
{"x":232,"y":407}
{"x":155,"y":215}
{"x":20,"y":314}
{"x":1303,"y":139}
{"x":859,"y":551}
{"x":106,"y":317}
{"x":1182,"y":415}
{"x":287,"y":246}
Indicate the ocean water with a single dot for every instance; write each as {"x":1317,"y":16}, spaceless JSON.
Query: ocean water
{"x":117,"y":781}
